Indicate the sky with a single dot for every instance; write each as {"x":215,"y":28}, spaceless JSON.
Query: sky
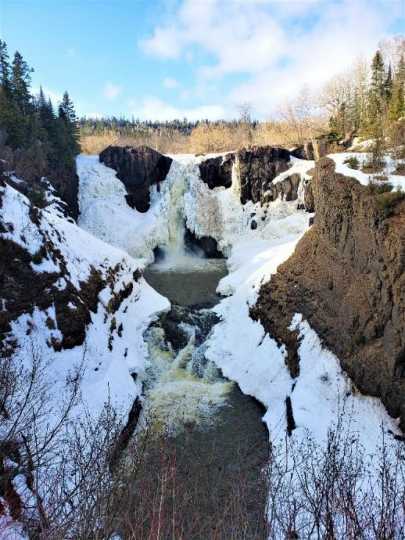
{"x":165,"y":59}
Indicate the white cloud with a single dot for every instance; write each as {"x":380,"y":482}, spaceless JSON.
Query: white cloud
{"x":164,"y":43}
{"x":170,"y":83}
{"x":277,"y":45}
{"x":111,"y":91}
{"x":153,"y":108}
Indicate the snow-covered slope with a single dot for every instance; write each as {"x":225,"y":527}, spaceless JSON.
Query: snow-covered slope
{"x":108,"y":357}
{"x":397,"y":181}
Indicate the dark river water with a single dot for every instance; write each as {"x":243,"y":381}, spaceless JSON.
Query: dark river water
{"x":217,"y":434}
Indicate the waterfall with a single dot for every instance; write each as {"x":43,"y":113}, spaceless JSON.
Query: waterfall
{"x":182,"y":175}
{"x":176,"y":217}
{"x":235,"y":187}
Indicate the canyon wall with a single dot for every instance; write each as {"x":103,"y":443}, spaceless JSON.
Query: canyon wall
{"x":347,"y":278}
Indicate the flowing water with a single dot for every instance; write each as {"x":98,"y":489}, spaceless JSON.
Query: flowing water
{"x":220,"y":441}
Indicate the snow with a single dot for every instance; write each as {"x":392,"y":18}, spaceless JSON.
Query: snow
{"x":397,"y":181}
{"x":299,"y":166}
{"x":256,"y":362}
{"x":240,"y":347}
{"x":113,"y":235}
{"x":106,"y":372}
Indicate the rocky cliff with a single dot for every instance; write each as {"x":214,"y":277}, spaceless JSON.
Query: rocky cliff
{"x":256,"y":169}
{"x":347,"y":279}
{"x":138,"y":168}
{"x":258,"y":166}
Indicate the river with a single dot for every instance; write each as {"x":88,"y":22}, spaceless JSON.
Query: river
{"x":214,"y":430}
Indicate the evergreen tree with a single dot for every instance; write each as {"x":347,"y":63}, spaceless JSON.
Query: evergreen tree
{"x":397,"y":101}
{"x":67,"y":132}
{"x":5,"y":82}
{"x":376,"y":99}
{"x":68,"y":115}
{"x":20,"y":83}
{"x":388,"y":84}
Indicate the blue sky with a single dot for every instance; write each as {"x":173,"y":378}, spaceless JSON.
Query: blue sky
{"x":160,"y":59}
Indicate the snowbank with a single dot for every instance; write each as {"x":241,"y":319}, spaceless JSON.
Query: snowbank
{"x":106,"y":372}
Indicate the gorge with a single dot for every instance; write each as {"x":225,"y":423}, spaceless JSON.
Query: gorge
{"x":228,"y":298}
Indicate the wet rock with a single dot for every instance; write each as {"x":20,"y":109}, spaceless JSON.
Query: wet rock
{"x":206,"y":245}
{"x":138,"y":168}
{"x":180,"y":321}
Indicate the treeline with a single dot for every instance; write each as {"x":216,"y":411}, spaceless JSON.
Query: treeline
{"x":369,"y":100}
{"x":126,"y":128}
{"x":135,"y":126}
{"x":40,"y":140}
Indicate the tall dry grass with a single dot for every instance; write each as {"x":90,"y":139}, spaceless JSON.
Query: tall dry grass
{"x":211,"y":138}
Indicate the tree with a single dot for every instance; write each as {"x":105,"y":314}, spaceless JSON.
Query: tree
{"x":20,"y":83}
{"x":388,"y":84}
{"x":67,"y":116}
{"x":5,"y":82}
{"x":376,"y":100}
{"x":397,"y":101}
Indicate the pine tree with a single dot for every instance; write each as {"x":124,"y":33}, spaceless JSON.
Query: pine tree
{"x":68,"y":116}
{"x":5,"y":82}
{"x":397,"y":102}
{"x":388,"y":85}
{"x":20,"y":83}
{"x":376,"y":99}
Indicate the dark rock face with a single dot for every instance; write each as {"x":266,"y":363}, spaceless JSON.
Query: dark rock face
{"x":347,"y":278}
{"x":205,"y":244}
{"x":216,"y":172}
{"x":62,"y":177}
{"x":66,"y":183}
{"x":258,"y":166}
{"x":287,"y":189}
{"x":137,"y":168}
{"x":316,"y":149}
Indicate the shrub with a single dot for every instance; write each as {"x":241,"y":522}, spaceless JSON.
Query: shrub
{"x":37,"y":197}
{"x":400,"y":169}
{"x":387,"y":201}
{"x":352,"y":162}
{"x":377,"y":188}
{"x":381,"y":178}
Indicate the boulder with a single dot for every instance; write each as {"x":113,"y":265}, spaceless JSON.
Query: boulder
{"x":138,"y":168}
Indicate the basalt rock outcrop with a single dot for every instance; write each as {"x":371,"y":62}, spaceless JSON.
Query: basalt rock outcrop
{"x":347,"y":278}
{"x":256,"y":169}
{"x":138,"y":168}
{"x":258,"y":166}
{"x":287,"y":189}
{"x":216,"y":172}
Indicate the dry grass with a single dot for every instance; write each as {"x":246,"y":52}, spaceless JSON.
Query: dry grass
{"x":210,"y":138}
